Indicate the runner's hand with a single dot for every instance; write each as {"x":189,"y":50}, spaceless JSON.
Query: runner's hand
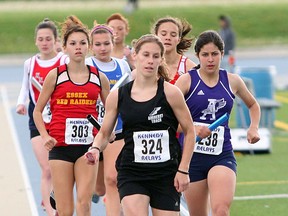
{"x":252,"y":135}
{"x":181,"y":182}
{"x":92,"y":156}
{"x":49,"y":142}
{"x":21,"y":109}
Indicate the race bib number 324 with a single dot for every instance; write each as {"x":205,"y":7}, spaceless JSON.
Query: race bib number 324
{"x":151,"y":146}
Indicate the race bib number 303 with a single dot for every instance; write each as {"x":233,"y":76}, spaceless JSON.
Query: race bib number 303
{"x":151,"y":146}
{"x":78,"y":131}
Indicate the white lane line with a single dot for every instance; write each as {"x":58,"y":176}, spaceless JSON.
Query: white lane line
{"x":16,"y":142}
{"x":263,"y":182}
{"x":270,"y":196}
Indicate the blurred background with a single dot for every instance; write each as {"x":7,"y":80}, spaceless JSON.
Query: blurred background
{"x":260,"y":56}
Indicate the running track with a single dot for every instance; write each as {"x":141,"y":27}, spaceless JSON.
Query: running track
{"x":20,"y":173}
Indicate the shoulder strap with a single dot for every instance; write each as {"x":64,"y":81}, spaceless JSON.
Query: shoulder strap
{"x":31,"y":65}
{"x":160,"y":86}
{"x":62,"y":75}
{"x":62,"y":68}
{"x":182,"y":65}
{"x":94,"y":75}
{"x":93,"y":69}
{"x":124,"y":92}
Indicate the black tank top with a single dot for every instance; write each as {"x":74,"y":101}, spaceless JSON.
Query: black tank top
{"x":151,"y":148}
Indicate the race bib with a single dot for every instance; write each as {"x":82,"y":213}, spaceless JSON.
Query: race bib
{"x":101,"y":111}
{"x":212,"y":144}
{"x":78,"y":131}
{"x":151,"y":146}
{"x":46,"y":114}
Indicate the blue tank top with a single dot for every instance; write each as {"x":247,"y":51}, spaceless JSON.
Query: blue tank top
{"x":113,"y":76}
{"x":208,"y":104}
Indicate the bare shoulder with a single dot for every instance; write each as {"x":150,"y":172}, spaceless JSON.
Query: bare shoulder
{"x":171,"y":91}
{"x":52,"y":75}
{"x":183,"y":78}
{"x":190,"y":64}
{"x":235,"y":82}
{"x":234,"y":78}
{"x":103,"y":77}
{"x":51,"y":79}
{"x":183,"y":83}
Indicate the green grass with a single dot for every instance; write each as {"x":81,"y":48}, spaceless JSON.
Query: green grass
{"x":254,"y":24}
{"x":264,"y":174}
{"x":260,"y":207}
{"x":281,"y":114}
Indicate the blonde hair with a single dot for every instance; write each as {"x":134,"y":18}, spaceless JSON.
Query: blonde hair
{"x":101,"y":28}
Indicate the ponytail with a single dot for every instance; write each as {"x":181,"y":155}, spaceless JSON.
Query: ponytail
{"x":163,"y":72}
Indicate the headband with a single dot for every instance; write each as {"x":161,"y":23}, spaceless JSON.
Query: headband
{"x":102,"y":27}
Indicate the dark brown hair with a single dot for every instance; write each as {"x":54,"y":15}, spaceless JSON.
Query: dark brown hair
{"x":184,"y":28}
{"x":47,"y":24}
{"x":206,"y":37}
{"x":70,"y":25}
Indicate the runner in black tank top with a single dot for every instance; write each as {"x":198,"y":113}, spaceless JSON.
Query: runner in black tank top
{"x":153,"y":115}
{"x":151,"y":168}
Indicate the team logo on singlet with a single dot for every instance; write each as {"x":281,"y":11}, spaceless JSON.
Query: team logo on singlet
{"x":213,"y":107}
{"x":200,"y":92}
{"x":154,"y":117}
{"x":39,"y":78}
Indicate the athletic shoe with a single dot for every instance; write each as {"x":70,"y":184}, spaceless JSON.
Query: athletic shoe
{"x":95,"y":198}
{"x":52,"y":200}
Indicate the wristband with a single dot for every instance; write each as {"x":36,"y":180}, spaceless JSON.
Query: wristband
{"x":183,"y":172}
{"x":94,"y":147}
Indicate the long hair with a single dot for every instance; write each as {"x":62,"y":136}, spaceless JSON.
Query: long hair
{"x":70,"y":25}
{"x":206,"y":37}
{"x":150,"y":38}
{"x":184,"y":28}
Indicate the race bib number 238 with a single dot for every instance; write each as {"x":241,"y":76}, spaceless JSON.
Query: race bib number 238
{"x":212,"y":144}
